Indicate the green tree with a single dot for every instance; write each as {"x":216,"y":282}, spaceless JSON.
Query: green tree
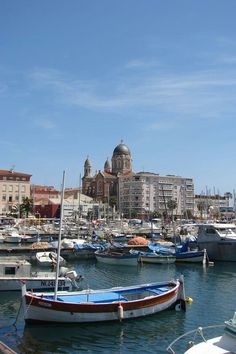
{"x":26,"y":206}
{"x":171,"y":205}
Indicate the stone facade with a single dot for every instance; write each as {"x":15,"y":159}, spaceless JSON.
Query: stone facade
{"x":104,"y":184}
{"x":14,"y":187}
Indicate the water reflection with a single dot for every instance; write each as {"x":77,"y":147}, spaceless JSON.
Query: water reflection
{"x":146,"y":335}
{"x":212,"y":290}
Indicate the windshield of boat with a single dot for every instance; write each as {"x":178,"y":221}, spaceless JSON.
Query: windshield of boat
{"x":226,"y":231}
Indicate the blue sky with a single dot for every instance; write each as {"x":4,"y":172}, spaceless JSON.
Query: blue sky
{"x":77,"y":77}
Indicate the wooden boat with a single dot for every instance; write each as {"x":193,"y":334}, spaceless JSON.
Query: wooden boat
{"x":223,"y":344}
{"x":191,"y":256}
{"x":13,"y":270}
{"x":182,"y":253}
{"x":117,"y":258}
{"x":114,"y":304}
{"x":47,"y":259}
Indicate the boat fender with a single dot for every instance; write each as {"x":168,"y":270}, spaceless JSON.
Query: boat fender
{"x":189,"y":300}
{"x":120,"y":312}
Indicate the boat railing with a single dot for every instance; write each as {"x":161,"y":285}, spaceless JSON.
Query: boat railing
{"x":195,"y":332}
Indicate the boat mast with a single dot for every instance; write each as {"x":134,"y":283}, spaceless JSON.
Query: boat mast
{"x":59,"y":237}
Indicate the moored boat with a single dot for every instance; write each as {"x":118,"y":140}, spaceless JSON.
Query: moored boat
{"x":114,"y":304}
{"x":192,"y":256}
{"x":14,"y":270}
{"x":117,"y":258}
{"x":224,"y":344}
{"x":47,"y":259}
{"x":219,"y":240}
{"x":158,"y":258}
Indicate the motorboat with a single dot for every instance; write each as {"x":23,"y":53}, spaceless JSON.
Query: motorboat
{"x":14,"y":270}
{"x":219,"y":240}
{"x":48,"y":258}
{"x":224,"y":344}
{"x":114,"y":304}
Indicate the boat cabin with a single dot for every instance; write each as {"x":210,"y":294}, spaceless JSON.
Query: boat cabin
{"x":14,"y":267}
{"x":214,"y":231}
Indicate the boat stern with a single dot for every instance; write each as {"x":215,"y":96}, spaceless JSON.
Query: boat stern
{"x":181,"y":299}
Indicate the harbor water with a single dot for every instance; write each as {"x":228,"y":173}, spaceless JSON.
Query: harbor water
{"x":211,"y":288}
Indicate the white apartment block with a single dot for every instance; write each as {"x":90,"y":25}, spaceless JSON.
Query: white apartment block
{"x":145,"y":192}
{"x":14,"y":186}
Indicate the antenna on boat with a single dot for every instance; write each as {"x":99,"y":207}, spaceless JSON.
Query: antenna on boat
{"x":59,"y":237}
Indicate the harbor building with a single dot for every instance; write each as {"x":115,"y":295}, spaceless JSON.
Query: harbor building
{"x":140,"y":193}
{"x":14,"y":187}
{"x":213,"y":206}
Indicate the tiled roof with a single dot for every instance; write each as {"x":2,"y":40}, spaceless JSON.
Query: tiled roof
{"x":13,"y":173}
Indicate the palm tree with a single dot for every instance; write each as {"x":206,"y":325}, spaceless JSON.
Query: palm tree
{"x":171,"y":205}
{"x":27,"y":206}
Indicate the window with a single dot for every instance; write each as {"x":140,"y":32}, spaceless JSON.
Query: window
{"x":10,"y":271}
{"x":4,"y":188}
{"x":4,"y":198}
{"x":10,"y":188}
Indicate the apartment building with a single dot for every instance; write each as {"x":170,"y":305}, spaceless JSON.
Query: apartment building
{"x":14,"y":186}
{"x":144,"y":192}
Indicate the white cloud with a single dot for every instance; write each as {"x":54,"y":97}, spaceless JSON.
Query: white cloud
{"x":202,"y":93}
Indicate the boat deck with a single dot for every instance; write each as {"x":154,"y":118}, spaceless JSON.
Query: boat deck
{"x":105,"y":297}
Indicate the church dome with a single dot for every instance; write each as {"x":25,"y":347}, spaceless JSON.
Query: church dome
{"x":107,"y":166}
{"x":121,"y":149}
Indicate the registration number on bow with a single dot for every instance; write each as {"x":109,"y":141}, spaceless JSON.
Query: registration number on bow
{"x":52,"y":283}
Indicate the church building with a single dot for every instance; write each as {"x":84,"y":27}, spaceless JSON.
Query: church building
{"x":104,"y":184}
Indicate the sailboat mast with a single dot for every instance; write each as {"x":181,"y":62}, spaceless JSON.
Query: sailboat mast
{"x":59,"y":237}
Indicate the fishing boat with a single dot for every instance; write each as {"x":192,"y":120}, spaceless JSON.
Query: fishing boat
{"x":114,"y":304}
{"x":181,"y":253}
{"x":184,"y":253}
{"x":191,"y":256}
{"x":224,"y":344}
{"x":117,"y":258}
{"x":13,"y":270}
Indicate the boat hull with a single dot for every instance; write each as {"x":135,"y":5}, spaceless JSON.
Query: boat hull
{"x":40,"y":309}
{"x":34,"y":284}
{"x":158,"y":259}
{"x":126,"y":259}
{"x":222,"y":250}
{"x":190,"y":257}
